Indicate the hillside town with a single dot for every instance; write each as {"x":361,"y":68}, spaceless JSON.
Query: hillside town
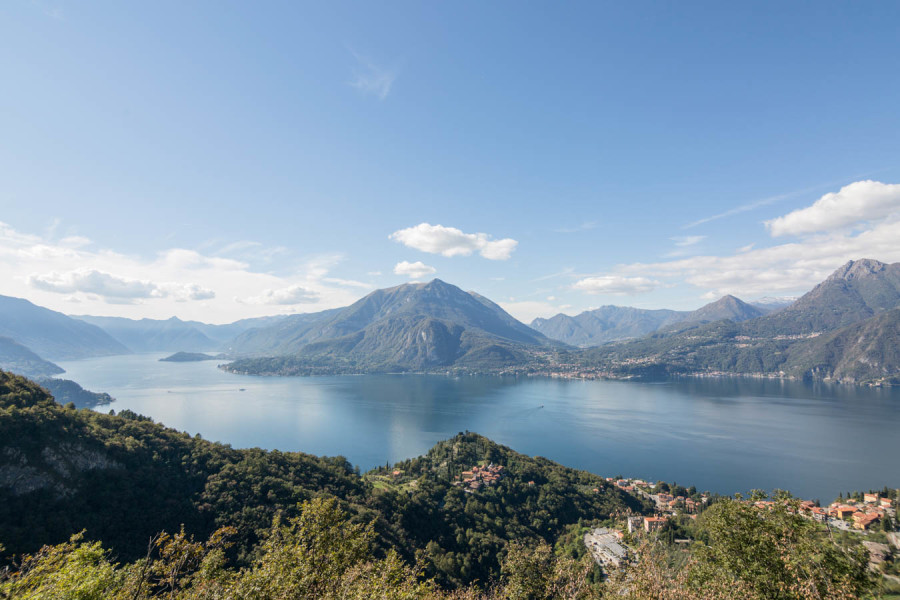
{"x":479,"y":476}
{"x":611,"y":547}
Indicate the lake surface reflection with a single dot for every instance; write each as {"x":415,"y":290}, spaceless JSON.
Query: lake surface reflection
{"x":724,"y":435}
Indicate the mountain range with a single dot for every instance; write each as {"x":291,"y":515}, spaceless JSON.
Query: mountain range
{"x":158,"y":335}
{"x":409,"y":327}
{"x":616,"y":323}
{"x":605,"y":324}
{"x":152,"y":335}
{"x":845,"y":329}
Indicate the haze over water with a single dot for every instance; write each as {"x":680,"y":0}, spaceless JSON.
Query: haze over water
{"x":724,"y":435}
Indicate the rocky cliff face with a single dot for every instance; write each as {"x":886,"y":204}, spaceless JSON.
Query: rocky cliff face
{"x":52,"y":469}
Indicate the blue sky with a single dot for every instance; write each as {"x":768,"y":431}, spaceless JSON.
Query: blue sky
{"x":217,"y":160}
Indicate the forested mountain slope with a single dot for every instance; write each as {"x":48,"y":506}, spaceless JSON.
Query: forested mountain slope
{"x":408,"y":327}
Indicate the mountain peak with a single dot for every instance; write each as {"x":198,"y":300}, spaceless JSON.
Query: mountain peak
{"x":439,"y":283}
{"x":858,"y":268}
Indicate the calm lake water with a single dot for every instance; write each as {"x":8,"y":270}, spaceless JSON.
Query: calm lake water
{"x":720,"y":435}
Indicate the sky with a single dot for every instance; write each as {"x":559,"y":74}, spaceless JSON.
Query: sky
{"x":222,"y":160}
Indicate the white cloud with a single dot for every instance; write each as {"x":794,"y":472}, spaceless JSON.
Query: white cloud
{"x":762,"y":202}
{"x":687,"y":240}
{"x":75,"y":241}
{"x":615,"y":284}
{"x":348,"y":283}
{"x":90,"y":281}
{"x":413,"y":270}
{"x":291,"y":295}
{"x":176,"y":281}
{"x":373,"y":79}
{"x":449,"y":241}
{"x":860,"y":201}
{"x":182,"y":258}
{"x":795,"y":267}
{"x":114,"y":289}
{"x":190,"y":291}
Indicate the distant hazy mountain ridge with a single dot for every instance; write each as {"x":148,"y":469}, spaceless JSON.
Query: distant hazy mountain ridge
{"x":605,"y":324}
{"x":616,"y":323}
{"x":53,"y":335}
{"x":152,"y":335}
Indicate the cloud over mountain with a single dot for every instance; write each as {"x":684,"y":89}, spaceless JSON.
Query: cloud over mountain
{"x":293,"y":294}
{"x":615,"y":284}
{"x":450,"y":241}
{"x":860,"y":201}
{"x":187,"y":282}
{"x":826,"y":241}
{"x":114,"y":289}
{"x":413,"y":270}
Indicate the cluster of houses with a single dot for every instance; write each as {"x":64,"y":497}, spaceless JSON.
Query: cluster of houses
{"x":606,"y":548}
{"x":861,"y":515}
{"x":665,"y":503}
{"x":846,"y":514}
{"x":478,"y":477}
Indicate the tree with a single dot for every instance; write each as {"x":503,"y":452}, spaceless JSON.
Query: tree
{"x":777,"y":553}
{"x":536,"y":574}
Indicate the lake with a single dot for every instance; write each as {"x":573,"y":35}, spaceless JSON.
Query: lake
{"x":722,"y":435}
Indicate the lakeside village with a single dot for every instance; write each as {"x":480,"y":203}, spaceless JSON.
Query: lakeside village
{"x":612,"y":546}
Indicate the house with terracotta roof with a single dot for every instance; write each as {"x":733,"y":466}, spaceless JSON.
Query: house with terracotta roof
{"x":870,"y":498}
{"x":819,"y":514}
{"x":843,"y":511}
{"x":865,"y":520}
{"x":654,"y":523}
